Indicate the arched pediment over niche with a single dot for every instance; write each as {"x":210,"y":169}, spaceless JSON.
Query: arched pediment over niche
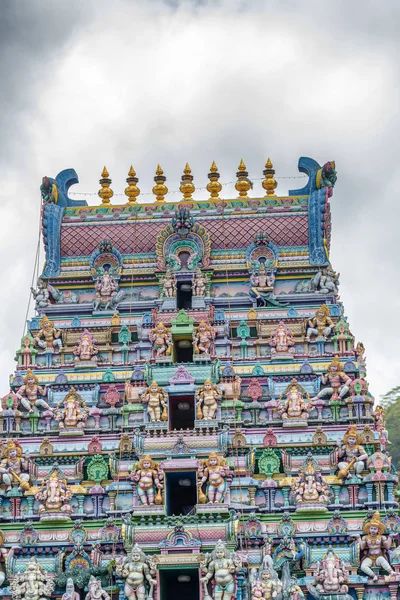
{"x":188,"y":253}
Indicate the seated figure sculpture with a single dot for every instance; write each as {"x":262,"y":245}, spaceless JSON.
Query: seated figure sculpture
{"x":266,"y":585}
{"x":48,"y":338}
{"x":282,"y":340}
{"x":294,"y":407}
{"x":207,"y":396}
{"x":321,"y":325}
{"x":220,"y":567}
{"x":214,"y":472}
{"x":162,"y":340}
{"x":32,"y":584}
{"x":331,"y":576}
{"x":338,"y":382}
{"x":70,"y":593}
{"x":309,"y":488}
{"x":352,"y":455}
{"x":14,"y":467}
{"x":375,"y":546}
{"x":54,"y":496}
{"x":95,"y":590}
{"x":72,"y":412}
{"x":86,"y":349}
{"x":155,"y":399}
{"x":148,"y":477}
{"x":139,"y":574}
{"x":108,"y":296}
{"x":28,"y":393}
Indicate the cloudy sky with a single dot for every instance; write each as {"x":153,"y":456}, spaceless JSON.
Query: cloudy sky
{"x":145,"y":81}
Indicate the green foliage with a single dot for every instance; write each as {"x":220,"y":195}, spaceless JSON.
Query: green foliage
{"x":81,"y":577}
{"x":390,"y":397}
{"x":391,"y":402}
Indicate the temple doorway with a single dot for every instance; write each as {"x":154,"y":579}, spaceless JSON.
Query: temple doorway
{"x":179,"y":584}
{"x":183,"y":350}
{"x":184,"y":294}
{"x":181,"y":492}
{"x":181,"y":412}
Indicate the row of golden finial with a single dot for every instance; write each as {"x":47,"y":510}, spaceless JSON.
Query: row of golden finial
{"x":187,"y":188}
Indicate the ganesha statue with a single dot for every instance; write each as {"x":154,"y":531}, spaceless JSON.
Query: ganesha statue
{"x":203,"y":337}
{"x":309,"y":488}
{"x":139,"y":573}
{"x":161,"y":338}
{"x":85,"y":351}
{"x":54,"y":496}
{"x":282,"y":341}
{"x":148,"y":478}
{"x":108,"y":295}
{"x":95,"y":590}
{"x":207,"y":396}
{"x":294,"y":409}
{"x":220,"y":568}
{"x":32,"y":584}
{"x":214,"y":472}
{"x":71,"y":414}
{"x":331,"y":576}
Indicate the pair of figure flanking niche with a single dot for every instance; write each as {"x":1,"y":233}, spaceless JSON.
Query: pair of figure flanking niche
{"x":213,"y":478}
{"x":169,"y":286}
{"x":155,"y":399}
{"x":161,"y":338}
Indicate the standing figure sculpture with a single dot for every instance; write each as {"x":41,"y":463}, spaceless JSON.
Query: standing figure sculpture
{"x":374,"y":546}
{"x":148,"y":477}
{"x":380,"y":425}
{"x":214,"y":472}
{"x":199,"y":283}
{"x":338,"y":382}
{"x":352,"y":455}
{"x":155,"y":399}
{"x":168,"y":283}
{"x":33,"y":584}
{"x":139,"y":572}
{"x":107,"y":294}
{"x":321,"y":325}
{"x":48,"y":338}
{"x":220,"y":567}
{"x":54,"y":496}
{"x":14,"y":466}
{"x":95,"y":590}
{"x":294,"y":407}
{"x":70,"y":593}
{"x":203,"y":337}
{"x":28,"y":393}
{"x":207,"y":396}
{"x":162,"y":340}
{"x":5,"y":555}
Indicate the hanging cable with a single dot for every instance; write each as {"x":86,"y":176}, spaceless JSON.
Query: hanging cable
{"x":35,"y":267}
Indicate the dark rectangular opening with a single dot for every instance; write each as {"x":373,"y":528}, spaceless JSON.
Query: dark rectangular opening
{"x":184,"y":294}
{"x":181,"y":492}
{"x":181,"y":584}
{"x":183,"y":350}
{"x":181,"y":412}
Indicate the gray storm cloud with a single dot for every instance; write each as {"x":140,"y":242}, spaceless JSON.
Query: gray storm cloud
{"x":91,"y":83}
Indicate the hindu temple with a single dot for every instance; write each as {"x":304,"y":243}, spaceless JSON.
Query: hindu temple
{"x":189,"y":415}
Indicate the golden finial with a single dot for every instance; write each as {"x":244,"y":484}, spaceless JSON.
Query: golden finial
{"x":187,"y":188}
{"x":132,"y":191}
{"x":243,"y":183}
{"x":160,"y":190}
{"x":269,"y":184}
{"x":105,"y":192}
{"x":214,"y":187}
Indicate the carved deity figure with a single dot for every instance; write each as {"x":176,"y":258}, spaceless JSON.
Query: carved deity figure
{"x":139,"y":573}
{"x":48,"y":338}
{"x":282,"y":340}
{"x":331,"y":576}
{"x":168,"y":283}
{"x":161,"y":338}
{"x":70,"y":593}
{"x":5,"y":555}
{"x":375,"y":546}
{"x":294,"y":406}
{"x":338,"y":382}
{"x":107,"y":294}
{"x":148,"y":477}
{"x":360,"y":352}
{"x":48,"y":191}
{"x":203,"y":337}
{"x":220,"y":567}
{"x":380,"y":425}
{"x":28,"y":393}
{"x":54,"y":494}
{"x":266,"y":584}
{"x":351,"y":454}
{"x":33,"y":584}
{"x":14,"y":466}
{"x":321,"y":325}
{"x":207,"y":396}
{"x":72,"y":412}
{"x":327,"y":175}
{"x":327,"y":281}
{"x":233,"y":388}
{"x":214,"y":472}
{"x":95,"y":590}
{"x":156,"y":400}
{"x":85,"y":349}
{"x":199,"y":283}
{"x":41,"y":294}
{"x":309,"y":487}
{"x":262,"y":286}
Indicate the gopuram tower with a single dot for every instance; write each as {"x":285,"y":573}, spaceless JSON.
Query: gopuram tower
{"x":189,"y":415}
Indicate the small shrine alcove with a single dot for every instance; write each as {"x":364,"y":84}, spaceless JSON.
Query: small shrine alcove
{"x":178,"y":566}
